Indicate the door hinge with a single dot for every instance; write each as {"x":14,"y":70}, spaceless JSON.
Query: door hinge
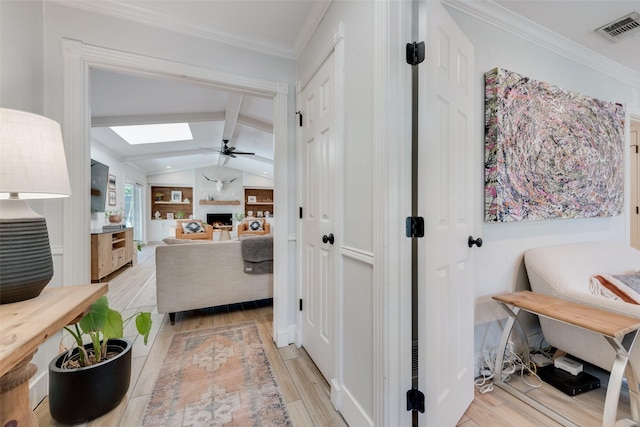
{"x":415,"y":226}
{"x":415,"y":53}
{"x":415,"y":400}
{"x":300,"y":212}
{"x":299,"y":114}
{"x":300,"y":304}
{"x":637,"y":210}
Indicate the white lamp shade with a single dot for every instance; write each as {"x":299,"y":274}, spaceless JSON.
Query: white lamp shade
{"x":32,"y":159}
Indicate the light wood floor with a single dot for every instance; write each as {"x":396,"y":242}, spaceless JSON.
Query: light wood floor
{"x":304,"y":390}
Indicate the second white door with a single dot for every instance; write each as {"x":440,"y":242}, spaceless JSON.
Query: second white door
{"x":318,"y":242}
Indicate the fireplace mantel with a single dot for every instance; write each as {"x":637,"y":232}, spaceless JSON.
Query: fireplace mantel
{"x":219,"y":202}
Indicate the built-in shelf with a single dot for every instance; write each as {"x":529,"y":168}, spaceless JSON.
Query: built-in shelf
{"x":258,"y":201}
{"x":219,"y":202}
{"x":169,"y":204}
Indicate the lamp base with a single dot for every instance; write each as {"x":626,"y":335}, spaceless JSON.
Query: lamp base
{"x":26,"y":266}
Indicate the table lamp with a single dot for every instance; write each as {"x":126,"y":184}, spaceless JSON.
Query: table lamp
{"x":32,"y":166}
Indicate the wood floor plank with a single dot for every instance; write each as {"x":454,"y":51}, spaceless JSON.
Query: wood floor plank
{"x":313,"y":393}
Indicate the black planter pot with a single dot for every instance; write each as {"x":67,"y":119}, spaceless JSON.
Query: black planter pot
{"x":83,"y":394}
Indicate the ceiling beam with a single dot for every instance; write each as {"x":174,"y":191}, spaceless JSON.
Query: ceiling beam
{"x":231,"y":119}
{"x":157,"y":119}
{"x":166,"y":154}
{"x":254,"y":123}
{"x":231,"y":115}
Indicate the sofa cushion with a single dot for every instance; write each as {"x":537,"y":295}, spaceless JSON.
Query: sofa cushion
{"x":621,"y":287}
{"x":192,"y":227}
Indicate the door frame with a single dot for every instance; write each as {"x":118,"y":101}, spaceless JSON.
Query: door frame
{"x":78,"y":59}
{"x":392,"y":341}
{"x":334,"y":45}
{"x":634,"y":115}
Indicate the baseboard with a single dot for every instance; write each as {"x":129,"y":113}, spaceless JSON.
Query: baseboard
{"x":38,"y":388}
{"x":286,"y":336}
{"x":336,"y":394}
{"x":352,"y":412}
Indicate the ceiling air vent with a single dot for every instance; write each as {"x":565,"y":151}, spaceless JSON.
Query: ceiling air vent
{"x":621,"y":28}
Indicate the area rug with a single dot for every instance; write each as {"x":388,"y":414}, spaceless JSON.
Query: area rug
{"x":217,"y":377}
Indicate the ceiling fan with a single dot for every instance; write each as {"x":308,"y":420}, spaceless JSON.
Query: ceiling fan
{"x":230,"y":151}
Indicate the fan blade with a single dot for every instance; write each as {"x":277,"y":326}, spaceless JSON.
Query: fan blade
{"x":229,"y":148}
{"x":244,"y":152}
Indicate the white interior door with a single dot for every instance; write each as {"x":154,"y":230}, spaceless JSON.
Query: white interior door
{"x":318,"y":257}
{"x":445,"y":200}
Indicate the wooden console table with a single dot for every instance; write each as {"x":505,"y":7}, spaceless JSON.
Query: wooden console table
{"x":24,"y":326}
{"x":620,"y":332}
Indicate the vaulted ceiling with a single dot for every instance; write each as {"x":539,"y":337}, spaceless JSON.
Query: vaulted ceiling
{"x":212,"y":114}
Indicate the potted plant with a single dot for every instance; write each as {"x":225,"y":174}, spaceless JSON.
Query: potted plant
{"x":89,"y":380}
{"x":114,"y":216}
{"x":158,"y":196}
{"x":179,"y":215}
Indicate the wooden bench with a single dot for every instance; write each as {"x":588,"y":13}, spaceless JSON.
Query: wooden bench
{"x":620,"y":332}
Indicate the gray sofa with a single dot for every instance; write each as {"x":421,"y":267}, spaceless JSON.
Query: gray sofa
{"x":194,"y":275}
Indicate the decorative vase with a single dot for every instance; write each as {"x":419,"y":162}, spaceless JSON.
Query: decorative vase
{"x":115,"y":219}
{"x":83,"y":394}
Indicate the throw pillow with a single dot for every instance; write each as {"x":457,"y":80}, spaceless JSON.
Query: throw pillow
{"x":192,"y":227}
{"x":620,"y":287}
{"x":255,"y":225}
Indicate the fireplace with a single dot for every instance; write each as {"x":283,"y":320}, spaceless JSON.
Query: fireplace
{"x":216,"y":219}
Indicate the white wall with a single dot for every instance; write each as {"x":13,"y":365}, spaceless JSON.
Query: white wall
{"x":22,"y":79}
{"x":123,"y":172}
{"x":355,"y":378}
{"x":499,"y":263}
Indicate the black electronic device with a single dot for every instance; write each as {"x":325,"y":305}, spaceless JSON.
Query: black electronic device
{"x":567,"y":383}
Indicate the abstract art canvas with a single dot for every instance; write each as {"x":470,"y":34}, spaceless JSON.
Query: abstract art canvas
{"x":550,"y":153}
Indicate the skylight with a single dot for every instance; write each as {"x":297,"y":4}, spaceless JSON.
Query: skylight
{"x":151,"y":134}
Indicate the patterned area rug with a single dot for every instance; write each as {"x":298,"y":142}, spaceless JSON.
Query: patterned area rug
{"x":217,"y":377}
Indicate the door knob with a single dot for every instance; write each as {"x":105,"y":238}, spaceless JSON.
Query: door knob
{"x":328,"y":238}
{"x":471,"y":241}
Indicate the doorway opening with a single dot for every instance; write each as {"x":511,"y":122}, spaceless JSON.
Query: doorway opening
{"x":79,"y":58}
{"x":133,"y":208}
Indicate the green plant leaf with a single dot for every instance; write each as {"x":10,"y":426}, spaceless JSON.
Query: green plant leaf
{"x":97,"y":317}
{"x":143,"y":324}
{"x":113,"y":327}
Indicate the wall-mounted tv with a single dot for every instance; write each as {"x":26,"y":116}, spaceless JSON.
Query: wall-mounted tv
{"x":99,"y":177}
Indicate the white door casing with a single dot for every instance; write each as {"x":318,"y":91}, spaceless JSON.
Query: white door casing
{"x":318,"y":259}
{"x":446,"y":201}
{"x":635,"y":184}
{"x":78,"y":58}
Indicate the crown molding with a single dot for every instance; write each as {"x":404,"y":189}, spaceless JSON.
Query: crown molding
{"x":311,"y":22}
{"x":169,"y":22}
{"x":501,"y":17}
